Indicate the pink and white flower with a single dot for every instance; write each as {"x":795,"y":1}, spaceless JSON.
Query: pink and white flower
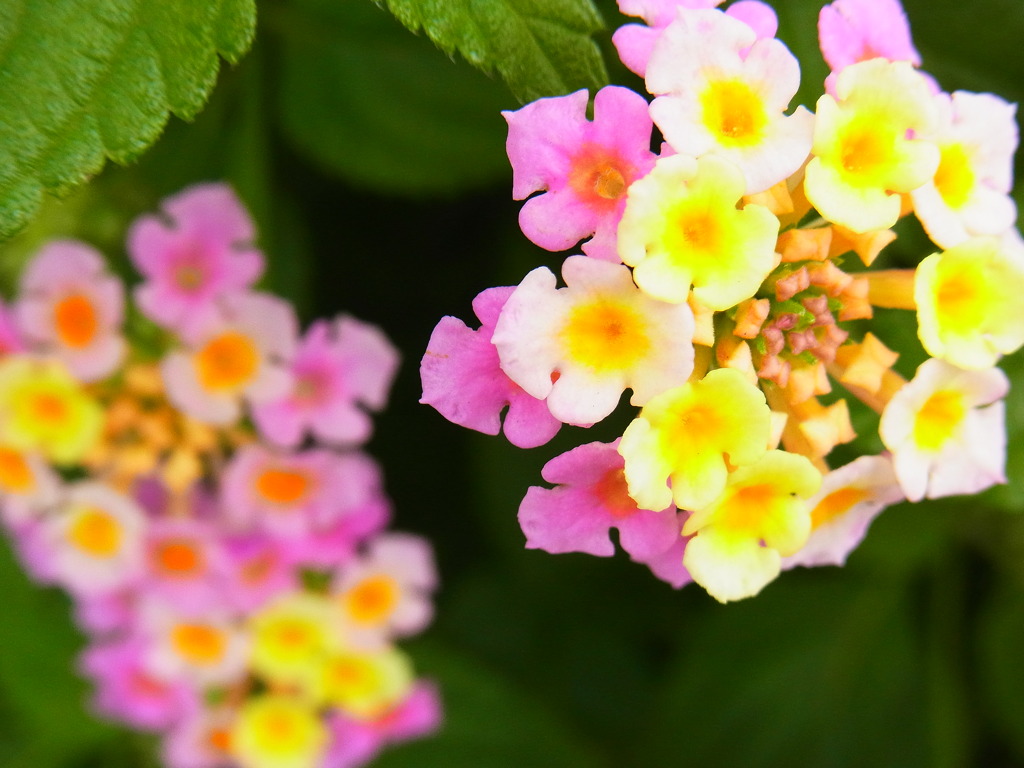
{"x":462,"y":378}
{"x":386,"y":591}
{"x":286,"y":494}
{"x":720,"y":90}
{"x":93,"y":540}
{"x":239,"y":354}
{"x":946,"y":429}
{"x":841,"y":511}
{"x":71,"y":307}
{"x":634,"y":42}
{"x":600,"y":334}
{"x":125,"y":690}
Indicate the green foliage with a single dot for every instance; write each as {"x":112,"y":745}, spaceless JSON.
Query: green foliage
{"x":540,"y":47}
{"x":414,"y":121}
{"x":86,"y":80}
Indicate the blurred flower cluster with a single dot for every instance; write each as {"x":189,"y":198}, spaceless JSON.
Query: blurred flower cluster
{"x":187,"y":467}
{"x":727,"y":283}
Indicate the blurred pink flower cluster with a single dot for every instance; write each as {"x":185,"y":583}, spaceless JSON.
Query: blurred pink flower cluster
{"x":189,"y":470}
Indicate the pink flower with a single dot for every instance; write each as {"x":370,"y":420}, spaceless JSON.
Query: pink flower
{"x":668,"y":566}
{"x":356,"y":742}
{"x":71,"y":307}
{"x":589,"y":499}
{"x":201,"y":740}
{"x":363,"y":510}
{"x":585,"y":167}
{"x":463,"y":380}
{"x":259,"y":568}
{"x":337,"y":368}
{"x":287,"y":494}
{"x":634,"y":42}
{"x":183,"y":563}
{"x":126,"y":691}
{"x":196,"y":250}
{"x":239,"y":354}
{"x":94,"y":540}
{"x":857,"y":30}
{"x":385,"y":592}
{"x":10,"y":336}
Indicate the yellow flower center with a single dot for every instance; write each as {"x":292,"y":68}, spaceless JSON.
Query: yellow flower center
{"x":745,"y":508}
{"x":700,"y":229}
{"x":96,"y":532}
{"x":733,"y":112}
{"x":76,"y":321}
{"x":938,"y":419}
{"x":865,"y":151}
{"x":372,"y":599}
{"x":604,"y":336}
{"x":961,"y":297}
{"x":227,"y":362}
{"x":954,"y":178}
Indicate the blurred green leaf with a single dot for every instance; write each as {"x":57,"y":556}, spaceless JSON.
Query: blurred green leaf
{"x":540,"y":47}
{"x":382,"y":108}
{"x":1000,"y":639}
{"x":36,"y":671}
{"x":813,"y":672}
{"x":489,"y":722}
{"x":86,"y":80}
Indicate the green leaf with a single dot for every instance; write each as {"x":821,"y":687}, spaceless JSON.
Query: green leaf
{"x":382,"y":108}
{"x":814,"y":671}
{"x":37,"y":676}
{"x":540,"y":47}
{"x":489,"y":722}
{"x":86,"y":80}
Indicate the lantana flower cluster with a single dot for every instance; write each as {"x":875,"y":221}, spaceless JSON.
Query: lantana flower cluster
{"x":725,"y":280}
{"x":188,"y":467}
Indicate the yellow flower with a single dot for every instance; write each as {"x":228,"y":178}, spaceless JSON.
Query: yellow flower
{"x":863,"y":159}
{"x":366,"y":684}
{"x":967,"y":298}
{"x":682,"y":228}
{"x":690,"y":435}
{"x":277,"y":731}
{"x":760,"y":517}
{"x":44,"y":409}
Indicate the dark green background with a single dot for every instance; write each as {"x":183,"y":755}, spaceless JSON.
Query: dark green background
{"x":375,"y":167}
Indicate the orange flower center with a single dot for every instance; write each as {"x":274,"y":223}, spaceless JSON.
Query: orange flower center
{"x":835,"y":504}
{"x":372,"y":599}
{"x":15,"y":473}
{"x":76,"y":321}
{"x":199,"y":643}
{"x":282,"y":486}
{"x":613,"y":493}
{"x":228,"y":362}
{"x":179,"y":558}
